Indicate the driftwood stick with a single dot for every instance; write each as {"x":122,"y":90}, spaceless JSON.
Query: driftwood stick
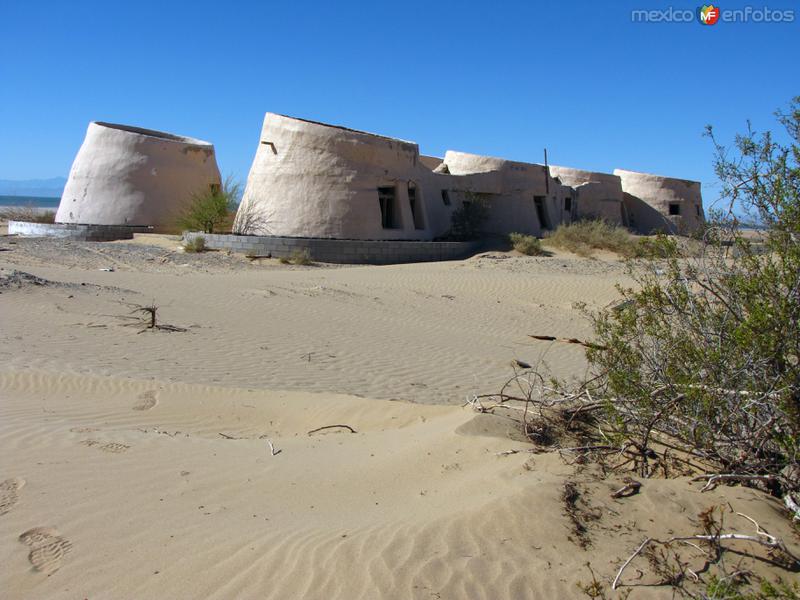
{"x":227,"y":437}
{"x":552,"y":338}
{"x":714,"y":479}
{"x":615,"y":583}
{"x":630,"y":488}
{"x":272,"y":449}
{"x":332,"y":427}
{"x":762,"y":538}
{"x":507,"y":452}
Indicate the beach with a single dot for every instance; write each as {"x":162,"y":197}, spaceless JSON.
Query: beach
{"x":301,"y":431}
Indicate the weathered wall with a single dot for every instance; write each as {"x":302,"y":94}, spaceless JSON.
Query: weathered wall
{"x":315,"y":180}
{"x":597,"y":195}
{"x":74,"y":231}
{"x":131,"y":176}
{"x":648,"y":198}
{"x":379,"y":252}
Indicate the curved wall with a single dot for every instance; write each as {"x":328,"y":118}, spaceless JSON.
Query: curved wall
{"x":661,"y":204}
{"x":309,"y":179}
{"x":126,"y":175}
{"x":597,"y":195}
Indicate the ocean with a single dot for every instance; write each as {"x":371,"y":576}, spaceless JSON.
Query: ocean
{"x":31,"y":201}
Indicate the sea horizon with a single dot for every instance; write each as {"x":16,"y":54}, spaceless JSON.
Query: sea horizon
{"x":30,"y":201}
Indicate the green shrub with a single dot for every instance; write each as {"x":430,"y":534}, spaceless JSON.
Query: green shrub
{"x":706,"y":350}
{"x":526,"y":244}
{"x":584,"y":237}
{"x":196,"y":244}
{"x":211,"y":209}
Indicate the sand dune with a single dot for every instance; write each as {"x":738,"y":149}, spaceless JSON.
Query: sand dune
{"x":424,"y":333}
{"x":122,"y":501}
{"x":139,"y":465}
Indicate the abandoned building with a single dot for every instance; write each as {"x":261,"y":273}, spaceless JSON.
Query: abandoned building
{"x":129,"y":176}
{"x":314,"y":180}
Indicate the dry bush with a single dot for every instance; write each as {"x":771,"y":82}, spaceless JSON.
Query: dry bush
{"x":584,"y":237}
{"x":526,"y":244}
{"x":298,"y":257}
{"x":28,"y":214}
{"x":196,"y":244}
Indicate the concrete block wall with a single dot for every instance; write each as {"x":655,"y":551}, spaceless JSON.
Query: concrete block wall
{"x":74,"y":231}
{"x":339,"y":251}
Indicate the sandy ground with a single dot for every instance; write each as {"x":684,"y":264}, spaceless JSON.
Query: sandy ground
{"x":138,"y":464}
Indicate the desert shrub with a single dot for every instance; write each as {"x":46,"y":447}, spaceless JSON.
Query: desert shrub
{"x":211,"y":209}
{"x":526,"y":244}
{"x":584,"y":237}
{"x":298,"y":257}
{"x":706,"y":350}
{"x":196,"y":244}
{"x":28,"y":214}
{"x":301,"y":257}
{"x":466,"y":221}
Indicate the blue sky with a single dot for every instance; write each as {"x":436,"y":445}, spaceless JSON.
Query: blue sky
{"x":598,"y":90}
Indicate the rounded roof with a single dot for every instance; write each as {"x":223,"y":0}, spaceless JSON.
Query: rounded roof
{"x":651,"y":176}
{"x":346,"y":130}
{"x":151,"y":133}
{"x":572,"y":176}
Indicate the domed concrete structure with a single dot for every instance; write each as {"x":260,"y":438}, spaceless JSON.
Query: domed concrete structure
{"x":597,"y":195}
{"x":125,"y":175}
{"x":314,"y":180}
{"x":310,"y":179}
{"x":661,"y":204}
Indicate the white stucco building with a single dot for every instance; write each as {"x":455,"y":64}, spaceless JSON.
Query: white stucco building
{"x":310,"y":179}
{"x":125,"y":175}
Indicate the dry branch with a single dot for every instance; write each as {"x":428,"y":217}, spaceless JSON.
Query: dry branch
{"x":762,"y":538}
{"x":714,"y":479}
{"x":332,"y":427}
{"x":552,"y":338}
{"x":630,"y":488}
{"x":272,"y":449}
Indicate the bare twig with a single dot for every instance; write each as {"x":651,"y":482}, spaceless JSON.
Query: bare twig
{"x":551,"y":338}
{"x":507,"y":452}
{"x":332,"y":427}
{"x":272,"y":449}
{"x":762,"y":538}
{"x":714,"y":479}
{"x":636,"y":553}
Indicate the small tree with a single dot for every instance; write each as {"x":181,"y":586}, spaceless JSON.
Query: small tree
{"x":209,"y":209}
{"x":706,"y":350}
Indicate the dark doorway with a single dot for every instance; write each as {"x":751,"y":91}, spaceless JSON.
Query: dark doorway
{"x":386,"y":199}
{"x":541,"y":211}
{"x":416,"y":207}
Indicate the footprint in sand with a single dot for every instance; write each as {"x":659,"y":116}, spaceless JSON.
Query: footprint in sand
{"x":48,"y":548}
{"x":9,"y":495}
{"x":147,"y":400}
{"x":83,"y":429}
{"x":113,"y":447}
